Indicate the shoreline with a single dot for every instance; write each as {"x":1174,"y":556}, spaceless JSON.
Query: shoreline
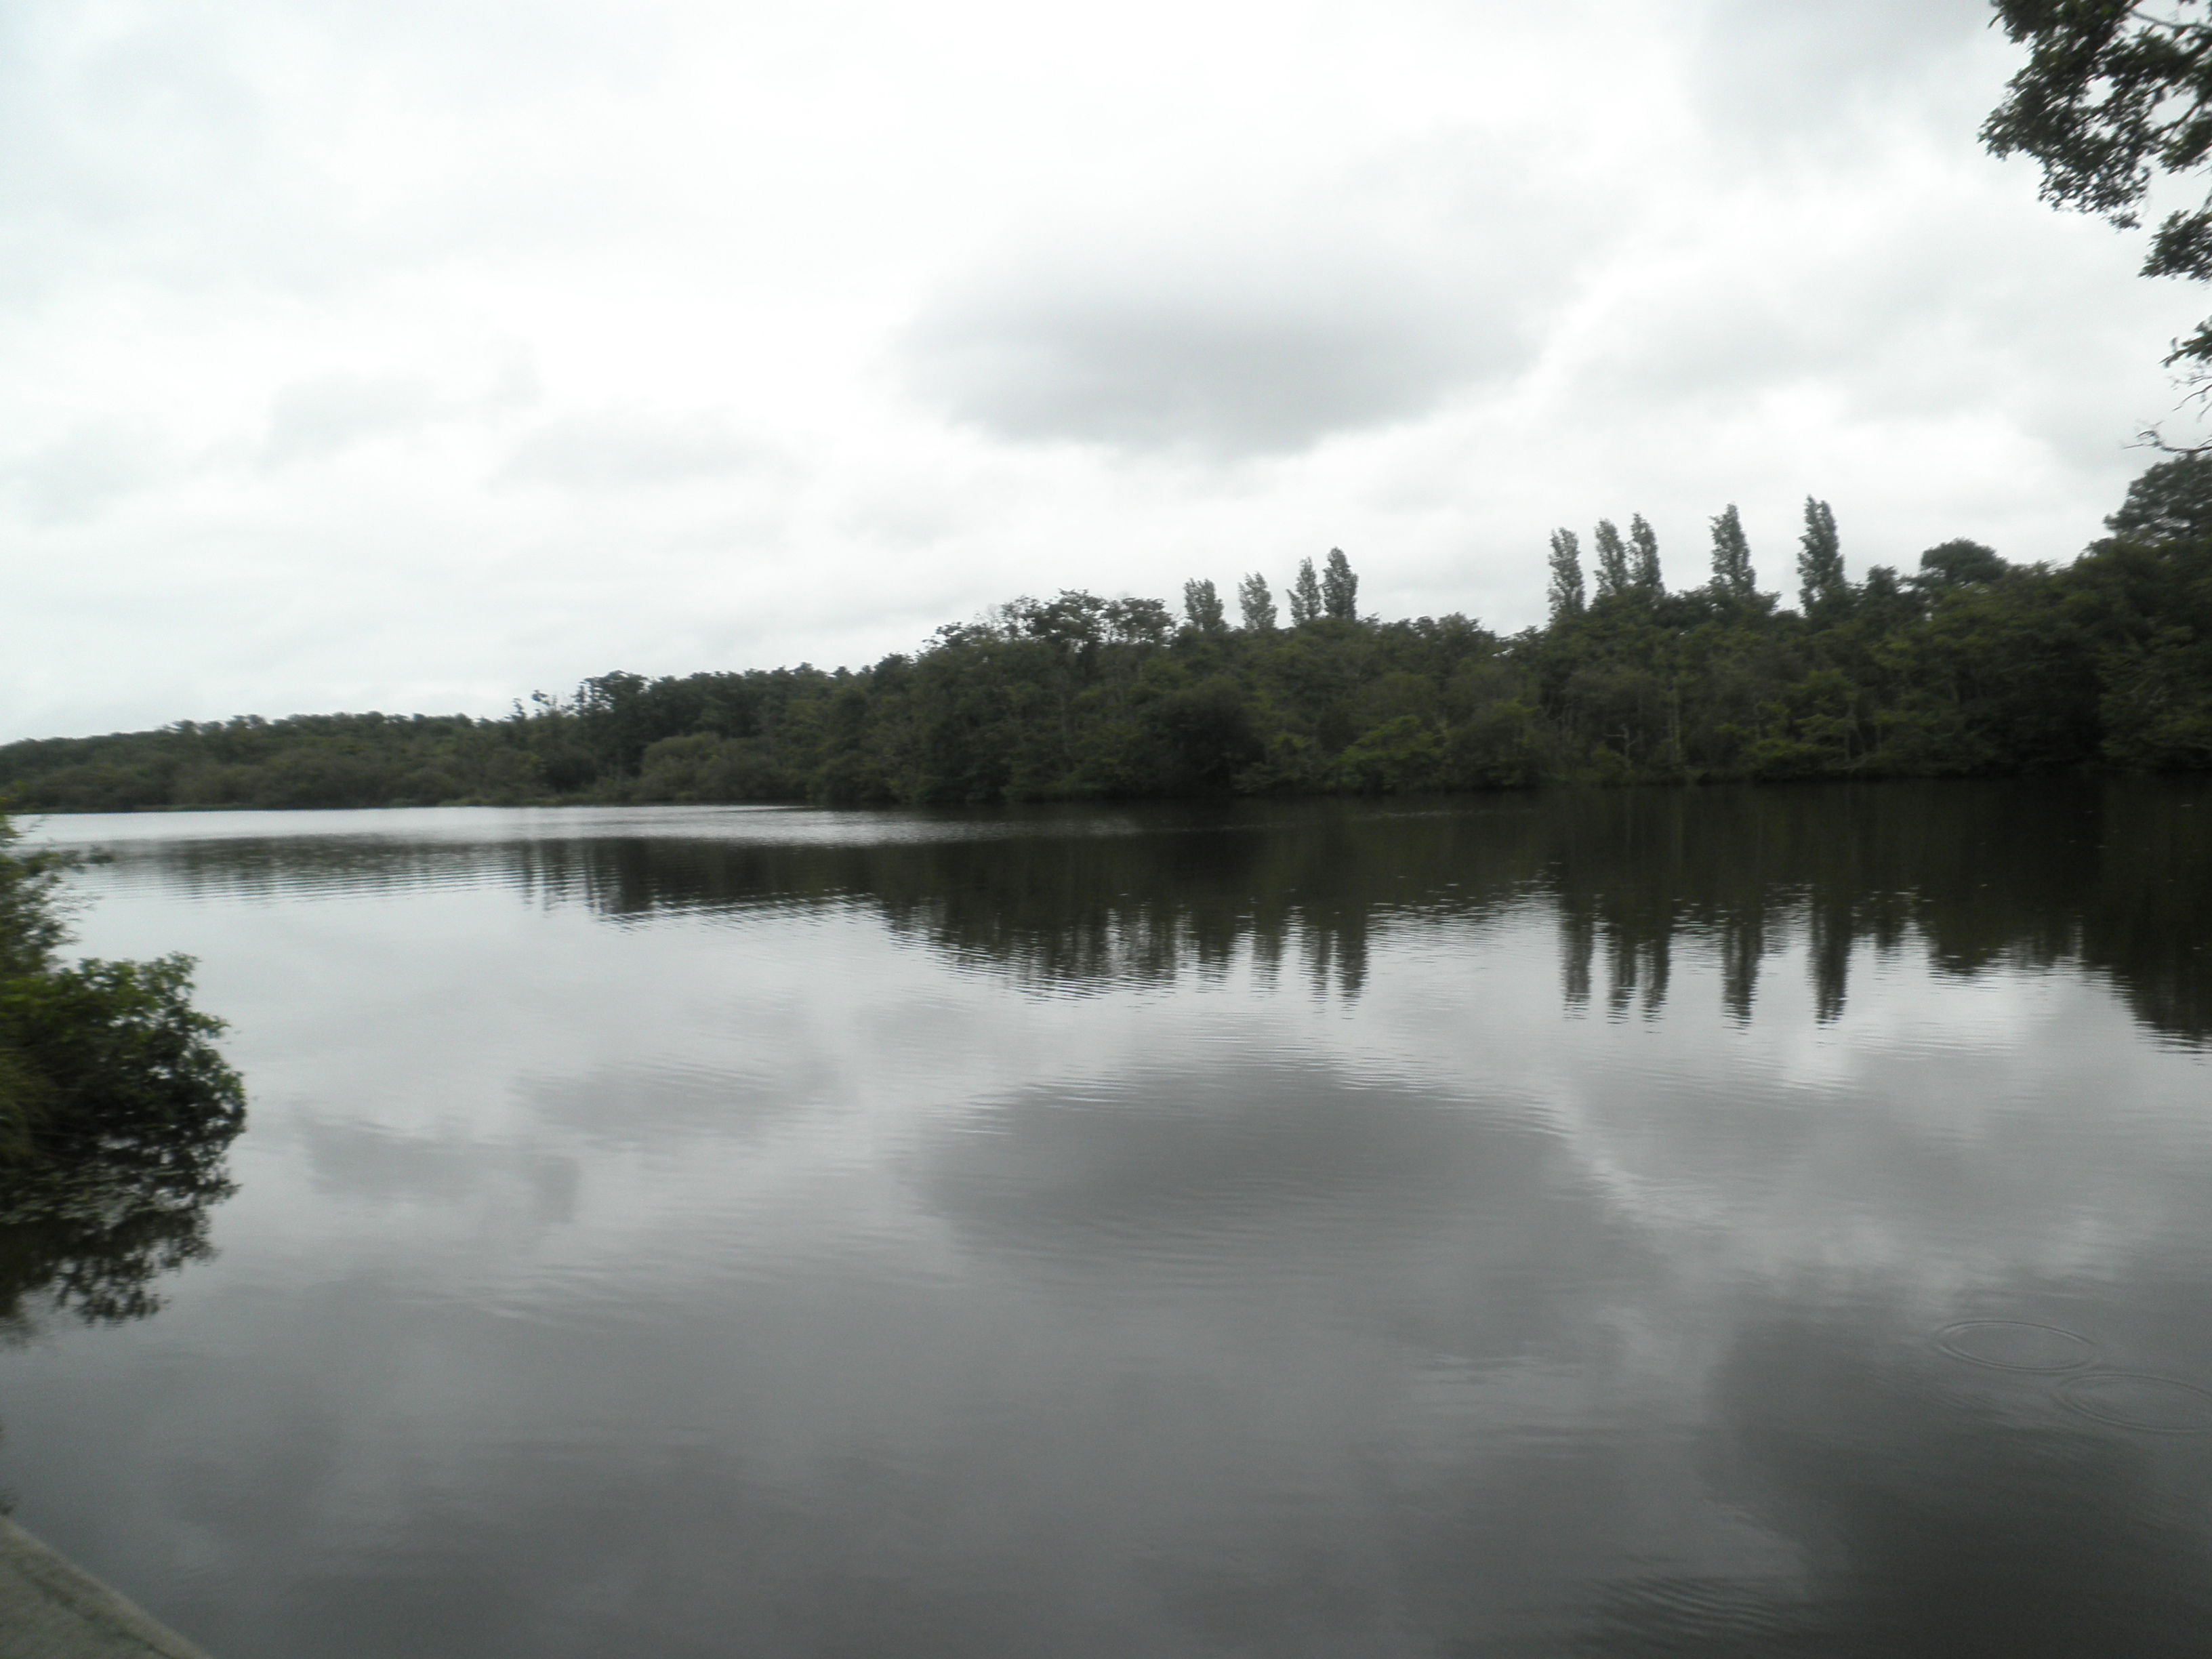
{"x":52,"y":1608}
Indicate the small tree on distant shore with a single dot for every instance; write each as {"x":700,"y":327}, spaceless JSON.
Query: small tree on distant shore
{"x":1612,"y":573}
{"x":1257,"y":603}
{"x":1822,"y":589}
{"x":1202,"y":605}
{"x":1645,"y":570}
{"x":1566,"y":595}
{"x":1733,"y":575}
{"x":1339,"y":588}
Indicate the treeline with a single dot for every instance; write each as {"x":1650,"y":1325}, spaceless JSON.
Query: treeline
{"x":1967,"y":665}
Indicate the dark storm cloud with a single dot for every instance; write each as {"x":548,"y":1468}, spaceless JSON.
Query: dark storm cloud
{"x":1228,"y":352}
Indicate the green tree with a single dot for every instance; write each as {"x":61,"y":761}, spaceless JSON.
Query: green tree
{"x":1202,"y":605}
{"x":1732,"y":576}
{"x":1131,"y":620}
{"x":1957,"y":562}
{"x":1645,"y":541}
{"x":30,"y":928}
{"x":1339,"y":588}
{"x":1822,"y":590}
{"x":2116,"y":97}
{"x":100,"y":1052}
{"x":1204,"y":734}
{"x":1565,"y":592}
{"x":2172,"y":501}
{"x":1971,"y":666}
{"x":1613,"y":575}
{"x":2145,"y":596}
{"x":1257,"y":603}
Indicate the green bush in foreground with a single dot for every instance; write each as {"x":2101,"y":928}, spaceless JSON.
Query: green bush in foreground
{"x":116,"y":1111}
{"x":104,"y":1060}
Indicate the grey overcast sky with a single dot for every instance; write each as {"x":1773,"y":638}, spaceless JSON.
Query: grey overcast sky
{"x":417,"y":354}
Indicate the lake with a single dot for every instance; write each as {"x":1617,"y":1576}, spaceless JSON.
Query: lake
{"x":1728,"y":1222}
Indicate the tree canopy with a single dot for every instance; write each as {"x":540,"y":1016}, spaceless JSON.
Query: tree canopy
{"x":2115,"y":97}
{"x":1960,"y":663}
{"x":115,"y":1113}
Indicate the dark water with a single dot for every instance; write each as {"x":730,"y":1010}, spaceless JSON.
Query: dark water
{"x":1709,"y":1224}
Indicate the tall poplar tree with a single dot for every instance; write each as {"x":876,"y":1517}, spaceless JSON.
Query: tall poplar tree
{"x":1257,"y":601}
{"x":1613,"y":574}
{"x":1821,"y":588}
{"x":1305,"y":594}
{"x":1201,"y":603}
{"x":1732,"y":572}
{"x":1566,"y":592}
{"x":1645,"y":541}
{"x":1339,"y":588}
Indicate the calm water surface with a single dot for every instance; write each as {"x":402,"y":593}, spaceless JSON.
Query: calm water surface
{"x":1712,"y":1224}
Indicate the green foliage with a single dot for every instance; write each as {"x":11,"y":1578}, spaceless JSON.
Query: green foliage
{"x":30,"y":928}
{"x":1203,"y":735}
{"x":1614,"y":576}
{"x":115,"y":1113}
{"x":1822,"y":590}
{"x":1202,"y":607}
{"x":121,"y":1055}
{"x":2170,"y":503}
{"x":1404,"y":754}
{"x":1971,"y":666}
{"x":1563,"y":595}
{"x":1733,"y":575}
{"x":1646,"y":569}
{"x":2115,"y":98}
{"x":1339,"y":588}
{"x":1956,"y":563}
{"x":1257,"y":603}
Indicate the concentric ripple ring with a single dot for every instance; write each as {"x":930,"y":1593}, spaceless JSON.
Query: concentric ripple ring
{"x":2071,"y":1392}
{"x":1948,"y":1337}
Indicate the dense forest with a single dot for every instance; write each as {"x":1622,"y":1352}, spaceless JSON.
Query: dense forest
{"x":1967,"y":665}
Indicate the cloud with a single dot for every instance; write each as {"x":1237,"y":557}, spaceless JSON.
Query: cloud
{"x":80,"y":475}
{"x":1228,"y":346}
{"x":323,"y":417}
{"x":982,"y":300}
{"x":1802,"y":68}
{"x":626,"y":449}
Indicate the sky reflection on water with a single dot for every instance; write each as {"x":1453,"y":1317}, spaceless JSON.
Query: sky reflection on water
{"x":1523,"y":1225}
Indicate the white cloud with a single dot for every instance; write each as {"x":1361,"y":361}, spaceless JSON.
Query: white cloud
{"x":614,"y":450}
{"x":323,"y":417}
{"x":82,"y":473}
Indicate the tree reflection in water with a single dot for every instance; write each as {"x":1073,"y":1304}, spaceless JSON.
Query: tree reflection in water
{"x":88,"y":1235}
{"x":2028,"y":873}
